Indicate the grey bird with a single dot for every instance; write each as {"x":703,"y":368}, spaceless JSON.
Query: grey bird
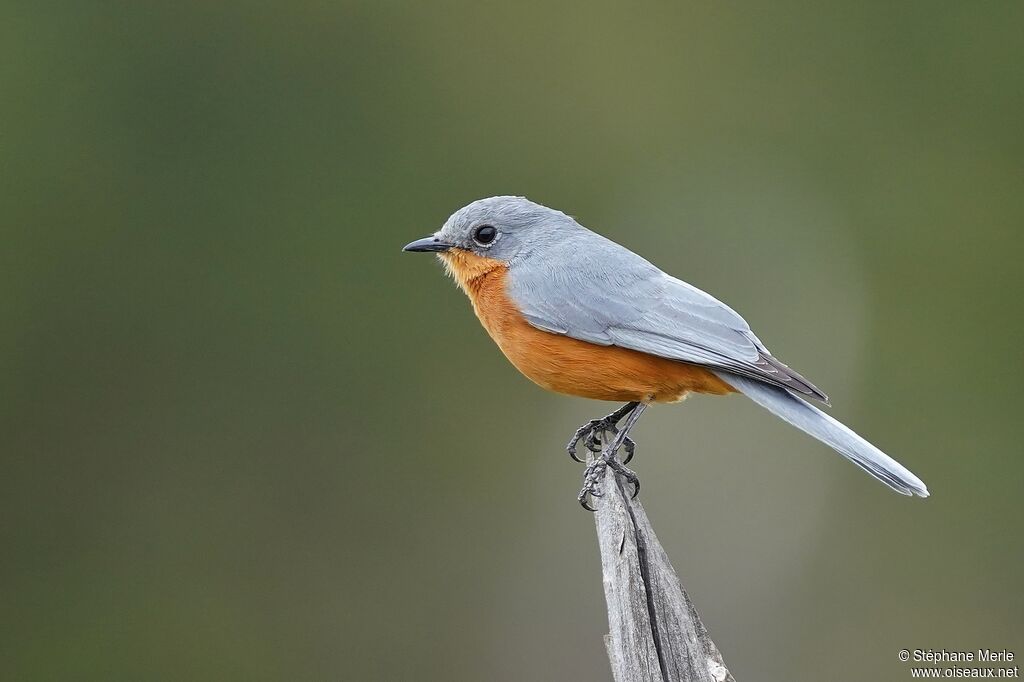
{"x":579,"y":314}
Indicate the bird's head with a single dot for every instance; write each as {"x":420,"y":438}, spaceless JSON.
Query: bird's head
{"x":499,"y":229}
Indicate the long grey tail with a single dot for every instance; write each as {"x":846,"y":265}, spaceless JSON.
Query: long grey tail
{"x":809,"y":419}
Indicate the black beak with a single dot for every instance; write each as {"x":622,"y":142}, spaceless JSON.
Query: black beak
{"x":427,"y":244}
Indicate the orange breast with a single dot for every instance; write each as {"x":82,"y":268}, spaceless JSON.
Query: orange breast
{"x":566,"y":365}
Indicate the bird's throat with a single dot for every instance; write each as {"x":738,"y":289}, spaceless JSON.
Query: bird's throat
{"x":469,"y":270}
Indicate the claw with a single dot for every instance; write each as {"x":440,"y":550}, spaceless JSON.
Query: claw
{"x":585,"y":434}
{"x":630,"y":448}
{"x":589,"y":491}
{"x":635,"y":482}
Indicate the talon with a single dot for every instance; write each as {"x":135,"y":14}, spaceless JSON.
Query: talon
{"x":586,"y":434}
{"x":584,"y":498}
{"x":571,"y":449}
{"x":633,"y":480}
{"x":588,"y":493}
{"x":630,"y":448}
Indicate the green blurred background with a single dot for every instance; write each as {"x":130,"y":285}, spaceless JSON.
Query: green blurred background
{"x":245,"y":438}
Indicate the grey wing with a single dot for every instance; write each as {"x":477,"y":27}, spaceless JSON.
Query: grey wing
{"x":592,"y":289}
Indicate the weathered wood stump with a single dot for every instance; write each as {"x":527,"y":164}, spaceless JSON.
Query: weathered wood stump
{"x":655,"y":633}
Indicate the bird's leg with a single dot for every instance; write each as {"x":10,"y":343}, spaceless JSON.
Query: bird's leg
{"x":590,"y":433}
{"x":596,"y":469}
{"x":622,"y":439}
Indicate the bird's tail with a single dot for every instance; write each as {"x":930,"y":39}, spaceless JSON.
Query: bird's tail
{"x":809,"y":419}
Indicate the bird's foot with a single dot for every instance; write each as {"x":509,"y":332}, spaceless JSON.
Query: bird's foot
{"x":596,"y":472}
{"x":590,"y":434}
{"x":593,"y":435}
{"x":592,"y":476}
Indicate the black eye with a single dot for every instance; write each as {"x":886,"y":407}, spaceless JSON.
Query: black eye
{"x":484,"y":234}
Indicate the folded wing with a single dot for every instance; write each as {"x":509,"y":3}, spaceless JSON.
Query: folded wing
{"x":594,"y":290}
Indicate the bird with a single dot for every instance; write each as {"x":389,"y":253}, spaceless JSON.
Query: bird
{"x":579,"y":314}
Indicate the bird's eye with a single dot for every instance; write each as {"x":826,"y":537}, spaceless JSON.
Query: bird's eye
{"x":484,"y":234}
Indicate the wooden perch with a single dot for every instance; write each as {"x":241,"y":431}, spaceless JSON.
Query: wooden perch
{"x":655,"y":633}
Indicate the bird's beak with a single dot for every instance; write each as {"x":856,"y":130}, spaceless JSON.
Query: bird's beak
{"x":428,"y":244}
